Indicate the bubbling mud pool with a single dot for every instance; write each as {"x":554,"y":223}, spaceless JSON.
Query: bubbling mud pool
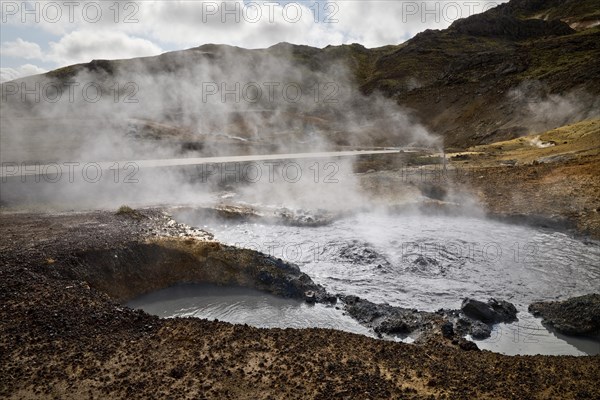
{"x":415,"y":261}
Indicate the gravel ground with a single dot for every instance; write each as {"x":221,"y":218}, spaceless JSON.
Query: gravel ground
{"x":62,"y":338}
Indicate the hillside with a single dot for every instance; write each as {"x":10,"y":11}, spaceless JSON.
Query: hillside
{"x":522,"y":67}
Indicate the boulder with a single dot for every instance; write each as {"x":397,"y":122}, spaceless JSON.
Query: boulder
{"x":477,"y":329}
{"x":492,"y":312}
{"x":448,"y":330}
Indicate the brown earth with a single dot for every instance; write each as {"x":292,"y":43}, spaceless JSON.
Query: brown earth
{"x":555,"y":186}
{"x":61,"y":337}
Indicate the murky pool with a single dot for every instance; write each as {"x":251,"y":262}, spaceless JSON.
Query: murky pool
{"x":420,"y":261}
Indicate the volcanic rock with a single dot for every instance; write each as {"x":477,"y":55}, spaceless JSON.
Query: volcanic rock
{"x":493,"y":311}
{"x":574,"y":316}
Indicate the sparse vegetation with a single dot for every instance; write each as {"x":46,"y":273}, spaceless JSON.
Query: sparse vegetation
{"x":65,"y":72}
{"x":66,"y":331}
{"x":127,"y":211}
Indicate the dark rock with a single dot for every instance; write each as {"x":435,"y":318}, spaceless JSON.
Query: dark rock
{"x":310,"y":297}
{"x":394,"y":326}
{"x":476,"y":317}
{"x":477,"y":310}
{"x":505,"y":311}
{"x":468,"y":345}
{"x":387,"y":319}
{"x":575,"y":316}
{"x":177,"y":373}
{"x":493,"y":311}
{"x":479,"y":330}
{"x":509,"y":27}
{"x":448,"y":330}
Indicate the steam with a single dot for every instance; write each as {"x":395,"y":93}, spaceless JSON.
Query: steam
{"x":539,"y":110}
{"x":537,"y":142}
{"x":204,"y":102}
{"x":208,"y":101}
{"x":218,"y":101}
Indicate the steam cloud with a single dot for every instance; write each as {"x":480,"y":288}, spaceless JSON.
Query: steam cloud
{"x":541,"y":111}
{"x":208,"y":101}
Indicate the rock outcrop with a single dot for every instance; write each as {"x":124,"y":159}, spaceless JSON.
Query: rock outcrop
{"x":387,"y":319}
{"x":509,"y":27}
{"x":574,"y":316}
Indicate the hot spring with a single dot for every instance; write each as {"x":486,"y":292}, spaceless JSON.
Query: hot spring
{"x":425,"y":262}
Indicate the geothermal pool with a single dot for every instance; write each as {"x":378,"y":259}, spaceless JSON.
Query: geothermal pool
{"x":417,"y":261}
{"x":244,"y":306}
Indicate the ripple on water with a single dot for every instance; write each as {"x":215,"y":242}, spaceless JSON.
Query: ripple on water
{"x":432,"y":262}
{"x":244,"y":306}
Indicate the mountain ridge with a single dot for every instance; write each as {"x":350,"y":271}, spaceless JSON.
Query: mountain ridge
{"x":476,"y":82}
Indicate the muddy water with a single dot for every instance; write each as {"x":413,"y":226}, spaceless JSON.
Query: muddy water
{"x":432,"y":262}
{"x":244,"y":306}
{"x":429,"y":262}
{"x":528,"y":336}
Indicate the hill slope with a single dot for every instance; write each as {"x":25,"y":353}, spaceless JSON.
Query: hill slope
{"x":522,"y":67}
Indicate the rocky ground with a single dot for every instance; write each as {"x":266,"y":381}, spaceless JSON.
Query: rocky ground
{"x":65,"y":334}
{"x":556,"y":185}
{"x":576,"y":316}
{"x":548,"y":179}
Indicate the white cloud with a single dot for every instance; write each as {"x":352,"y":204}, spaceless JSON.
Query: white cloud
{"x":186,"y":24}
{"x":9,"y":74}
{"x":21,"y":49}
{"x":190,"y":23}
{"x":84,"y":46}
{"x":371,"y":23}
{"x":177,"y":24}
{"x":379,"y":23}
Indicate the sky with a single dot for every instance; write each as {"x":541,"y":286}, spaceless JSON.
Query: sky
{"x":37,"y":36}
